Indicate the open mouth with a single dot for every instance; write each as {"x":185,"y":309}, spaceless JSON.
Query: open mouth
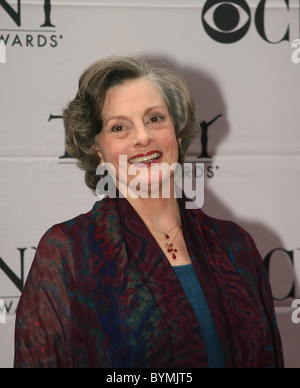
{"x":147,"y":158}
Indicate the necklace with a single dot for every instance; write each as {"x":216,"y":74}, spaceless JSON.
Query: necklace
{"x":169,"y":243}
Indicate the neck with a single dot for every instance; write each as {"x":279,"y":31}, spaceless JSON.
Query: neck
{"x":157,"y":213}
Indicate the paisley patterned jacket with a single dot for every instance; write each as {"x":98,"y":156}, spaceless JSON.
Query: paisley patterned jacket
{"x":101,"y":294}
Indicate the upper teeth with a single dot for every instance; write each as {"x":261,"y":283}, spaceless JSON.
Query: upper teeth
{"x":143,"y":159}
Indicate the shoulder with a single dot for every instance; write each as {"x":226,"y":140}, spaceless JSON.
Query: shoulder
{"x":238,"y":243}
{"x":226,"y":229}
{"x":62,"y":251}
{"x":239,"y":246}
{"x":73,"y":232}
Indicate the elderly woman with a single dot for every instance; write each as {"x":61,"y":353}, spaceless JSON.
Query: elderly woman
{"x":141,"y":281}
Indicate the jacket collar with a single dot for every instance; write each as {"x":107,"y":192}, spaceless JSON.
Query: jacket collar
{"x":138,"y":297}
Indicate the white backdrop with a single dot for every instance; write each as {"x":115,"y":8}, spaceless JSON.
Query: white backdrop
{"x":236,"y":54}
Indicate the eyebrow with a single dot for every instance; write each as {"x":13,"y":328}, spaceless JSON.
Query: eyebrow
{"x":122,"y":117}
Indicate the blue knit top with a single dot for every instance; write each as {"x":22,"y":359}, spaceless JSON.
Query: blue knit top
{"x":193,"y":290}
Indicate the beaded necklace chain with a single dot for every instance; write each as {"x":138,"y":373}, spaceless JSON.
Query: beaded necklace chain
{"x":169,"y":243}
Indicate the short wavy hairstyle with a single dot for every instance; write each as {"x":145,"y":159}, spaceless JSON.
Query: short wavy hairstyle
{"x":83,"y":115}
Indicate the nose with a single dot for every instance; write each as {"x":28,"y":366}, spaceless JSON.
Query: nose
{"x":142,"y":135}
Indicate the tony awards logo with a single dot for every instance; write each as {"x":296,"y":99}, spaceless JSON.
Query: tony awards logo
{"x":36,"y":29}
{"x":204,"y":137}
{"x":16,"y":14}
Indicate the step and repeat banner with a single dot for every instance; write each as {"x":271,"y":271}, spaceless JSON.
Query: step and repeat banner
{"x":242,"y":60}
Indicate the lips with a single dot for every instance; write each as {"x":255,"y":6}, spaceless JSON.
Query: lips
{"x":150,"y":157}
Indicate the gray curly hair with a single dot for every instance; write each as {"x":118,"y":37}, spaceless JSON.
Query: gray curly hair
{"x":82,"y":116}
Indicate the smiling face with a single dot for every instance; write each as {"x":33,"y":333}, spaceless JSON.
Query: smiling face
{"x":137,"y":124}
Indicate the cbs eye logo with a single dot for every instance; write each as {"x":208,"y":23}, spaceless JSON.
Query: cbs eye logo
{"x":229,"y":21}
{"x":226,"y":22}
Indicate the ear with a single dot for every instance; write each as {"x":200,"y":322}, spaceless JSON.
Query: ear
{"x":96,"y":149}
{"x":179,"y":141}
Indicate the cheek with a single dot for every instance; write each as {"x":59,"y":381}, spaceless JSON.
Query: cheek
{"x":109,"y":149}
{"x":169,"y":141}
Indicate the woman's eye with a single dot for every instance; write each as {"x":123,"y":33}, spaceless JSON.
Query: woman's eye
{"x":156,"y":119}
{"x":118,"y":128}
